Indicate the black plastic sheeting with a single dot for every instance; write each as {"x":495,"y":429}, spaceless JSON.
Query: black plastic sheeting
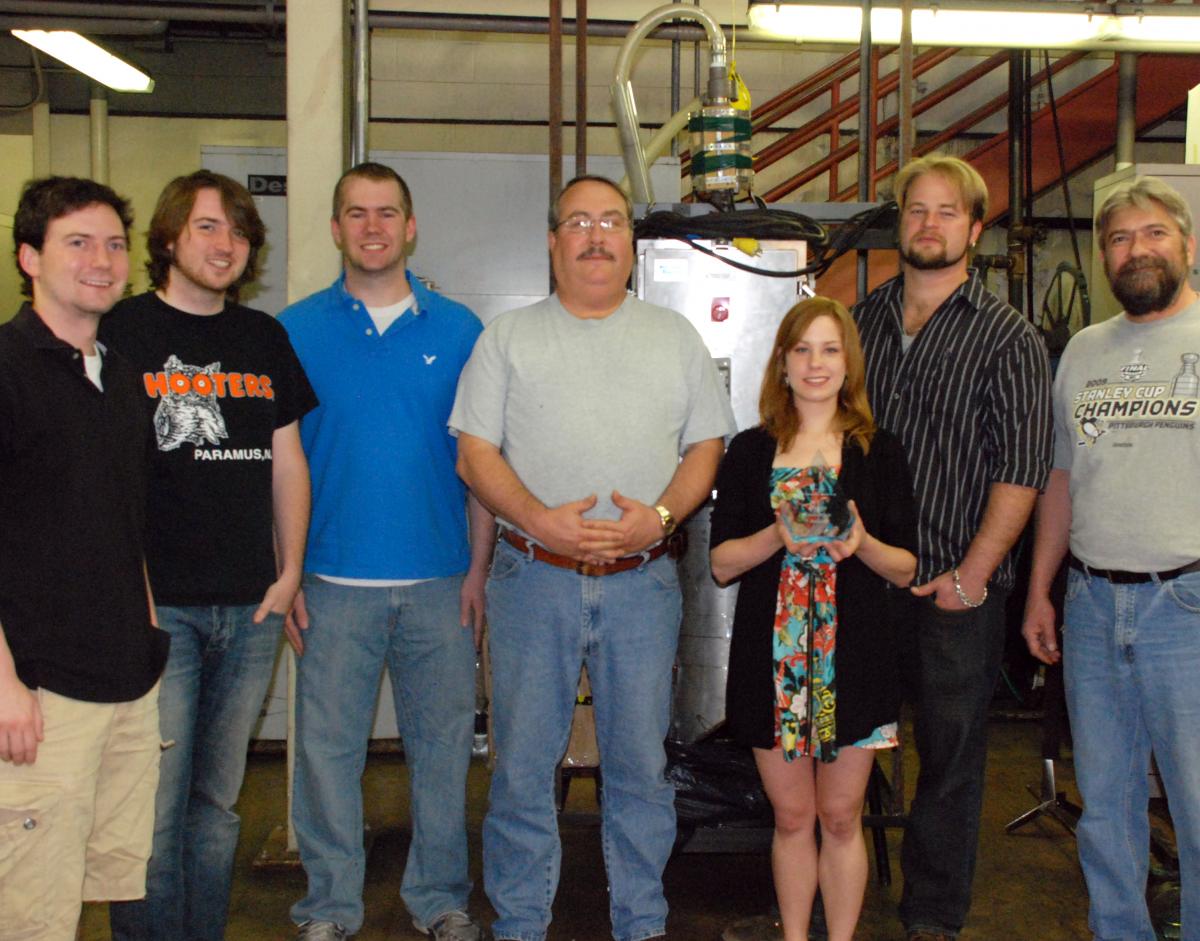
{"x":716,"y":781}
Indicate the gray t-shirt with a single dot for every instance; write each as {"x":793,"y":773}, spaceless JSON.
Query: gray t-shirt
{"x":1126,"y":406}
{"x":590,"y":406}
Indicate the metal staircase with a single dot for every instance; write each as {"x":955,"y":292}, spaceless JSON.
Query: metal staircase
{"x":1087,"y":116}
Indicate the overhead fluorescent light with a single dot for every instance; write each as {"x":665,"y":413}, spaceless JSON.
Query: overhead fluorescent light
{"x":87,"y":57}
{"x":1167,"y":28}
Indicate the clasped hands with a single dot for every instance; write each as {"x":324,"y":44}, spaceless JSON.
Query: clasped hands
{"x":564,"y":530}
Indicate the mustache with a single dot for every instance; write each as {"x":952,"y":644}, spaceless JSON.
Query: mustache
{"x":595,"y":251}
{"x":1143,"y":264}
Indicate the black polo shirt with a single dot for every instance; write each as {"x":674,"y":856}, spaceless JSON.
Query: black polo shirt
{"x":72,"y":497}
{"x":970,"y":399}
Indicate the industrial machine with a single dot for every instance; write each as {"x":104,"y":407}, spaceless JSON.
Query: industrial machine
{"x":733,"y":271}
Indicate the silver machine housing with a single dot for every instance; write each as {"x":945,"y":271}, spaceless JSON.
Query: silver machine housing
{"x":736,"y":313}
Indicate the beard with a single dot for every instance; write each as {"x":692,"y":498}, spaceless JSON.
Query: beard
{"x":220,"y":282}
{"x":936,"y":260}
{"x":1146,"y":285}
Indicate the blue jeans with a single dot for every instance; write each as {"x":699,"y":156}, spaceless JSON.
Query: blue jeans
{"x":212,"y":693}
{"x":544,"y":623}
{"x":1131,"y":663}
{"x":958,"y":655}
{"x":353,"y":633}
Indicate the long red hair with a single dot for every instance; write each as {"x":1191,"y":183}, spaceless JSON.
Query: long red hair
{"x":775,"y":406}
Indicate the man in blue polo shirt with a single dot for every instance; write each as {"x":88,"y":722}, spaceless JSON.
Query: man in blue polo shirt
{"x":391,"y":577}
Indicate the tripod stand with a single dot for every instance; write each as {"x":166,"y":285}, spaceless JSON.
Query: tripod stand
{"x":1051,"y":801}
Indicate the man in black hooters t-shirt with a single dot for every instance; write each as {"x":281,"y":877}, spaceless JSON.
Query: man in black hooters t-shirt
{"x":227,"y":513}
{"x":79,"y":655}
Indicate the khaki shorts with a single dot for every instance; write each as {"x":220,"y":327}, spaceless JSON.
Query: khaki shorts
{"x":77,"y":824}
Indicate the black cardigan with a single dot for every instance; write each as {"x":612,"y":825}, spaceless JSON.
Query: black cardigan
{"x":865,"y":664}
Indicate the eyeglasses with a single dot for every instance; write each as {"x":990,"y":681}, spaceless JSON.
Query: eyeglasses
{"x":581,"y":224}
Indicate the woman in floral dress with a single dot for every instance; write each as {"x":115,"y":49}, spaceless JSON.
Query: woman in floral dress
{"x":815,"y":518}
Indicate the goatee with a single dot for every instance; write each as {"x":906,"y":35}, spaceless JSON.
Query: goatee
{"x":933,"y":262}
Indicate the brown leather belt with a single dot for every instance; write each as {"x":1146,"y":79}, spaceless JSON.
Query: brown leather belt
{"x":1135,"y":578}
{"x":674,"y":545}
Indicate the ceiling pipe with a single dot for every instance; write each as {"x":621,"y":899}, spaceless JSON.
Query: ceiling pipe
{"x":38,"y":11}
{"x":92,"y":26}
{"x":41,"y":9}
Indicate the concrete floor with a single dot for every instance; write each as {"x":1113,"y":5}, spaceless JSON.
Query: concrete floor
{"x":1028,"y":885}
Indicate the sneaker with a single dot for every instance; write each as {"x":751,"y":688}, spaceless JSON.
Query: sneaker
{"x":451,"y":926}
{"x":321,"y":931}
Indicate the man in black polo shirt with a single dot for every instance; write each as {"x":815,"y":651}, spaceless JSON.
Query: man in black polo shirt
{"x":79,"y":655}
{"x":964,"y":381}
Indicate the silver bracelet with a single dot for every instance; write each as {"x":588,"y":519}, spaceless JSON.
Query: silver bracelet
{"x":962,"y":595}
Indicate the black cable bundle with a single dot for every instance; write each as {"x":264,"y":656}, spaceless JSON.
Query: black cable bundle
{"x":764,"y":223}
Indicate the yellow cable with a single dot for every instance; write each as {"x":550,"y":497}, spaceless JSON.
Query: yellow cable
{"x":742,"y":97}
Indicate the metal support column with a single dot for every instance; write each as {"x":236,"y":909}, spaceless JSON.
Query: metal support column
{"x":906,"y":134}
{"x":581,"y":120}
{"x":361,"y":110}
{"x":556,"y":79}
{"x":98,"y":112}
{"x":1126,"y":107}
{"x":1016,"y":190}
{"x":866,"y":131}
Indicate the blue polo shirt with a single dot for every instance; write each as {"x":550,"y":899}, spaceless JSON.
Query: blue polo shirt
{"x":387,"y":503}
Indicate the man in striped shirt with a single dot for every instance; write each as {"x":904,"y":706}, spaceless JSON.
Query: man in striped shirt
{"x":963,"y":380}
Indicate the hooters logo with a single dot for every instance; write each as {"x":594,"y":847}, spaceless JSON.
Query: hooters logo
{"x":189,"y":409}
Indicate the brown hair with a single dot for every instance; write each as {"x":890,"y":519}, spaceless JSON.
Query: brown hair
{"x":52,"y":197}
{"x":775,"y":406}
{"x":378,"y":172}
{"x":175,"y":206}
{"x":587,"y":178}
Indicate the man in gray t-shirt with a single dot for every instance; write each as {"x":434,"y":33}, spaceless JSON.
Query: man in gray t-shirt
{"x":572,"y":417}
{"x":1122,"y":496}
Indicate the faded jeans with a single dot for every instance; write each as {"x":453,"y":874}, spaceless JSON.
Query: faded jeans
{"x":544,"y":623}
{"x":1131,"y":659}
{"x":353,"y":633}
{"x":213,"y":687}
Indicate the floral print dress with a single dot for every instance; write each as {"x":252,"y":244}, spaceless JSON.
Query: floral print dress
{"x":806,"y":629}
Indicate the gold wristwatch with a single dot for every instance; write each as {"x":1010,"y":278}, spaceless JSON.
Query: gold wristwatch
{"x":667,"y":520}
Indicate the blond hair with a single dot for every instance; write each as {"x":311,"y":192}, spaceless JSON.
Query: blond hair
{"x":958,"y":173}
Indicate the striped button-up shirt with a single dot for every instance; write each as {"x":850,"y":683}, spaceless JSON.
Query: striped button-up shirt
{"x":970,"y":399}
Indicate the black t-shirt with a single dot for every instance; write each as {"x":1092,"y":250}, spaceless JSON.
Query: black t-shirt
{"x":216,"y":388}
{"x":72,"y":497}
